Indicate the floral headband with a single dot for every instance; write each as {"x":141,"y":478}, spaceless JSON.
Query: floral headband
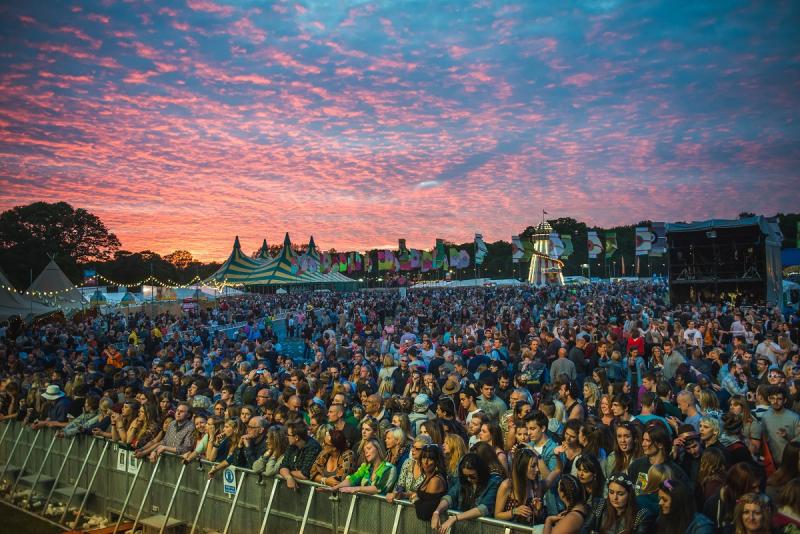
{"x":622,"y":480}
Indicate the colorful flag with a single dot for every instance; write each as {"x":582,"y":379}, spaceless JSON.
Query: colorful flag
{"x":593,"y":243}
{"x":416,"y":258}
{"x":568,"y":247}
{"x":517,"y":251}
{"x":403,"y":256}
{"x":427,"y":261}
{"x":556,"y":246}
{"x":659,"y":247}
{"x":439,"y":254}
{"x":644,"y":240}
{"x":368,"y":262}
{"x":325,"y":262}
{"x":459,"y":259}
{"x":480,"y":249}
{"x":342,"y":262}
{"x":611,"y":243}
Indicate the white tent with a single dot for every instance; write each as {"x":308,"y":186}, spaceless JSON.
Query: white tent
{"x":53,"y":286}
{"x":13,"y":303}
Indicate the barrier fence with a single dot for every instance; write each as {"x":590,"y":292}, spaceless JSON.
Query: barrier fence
{"x":71,"y":478}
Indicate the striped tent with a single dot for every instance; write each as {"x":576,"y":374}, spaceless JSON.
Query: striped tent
{"x":284,"y":269}
{"x":263,"y":253}
{"x":236,"y":269}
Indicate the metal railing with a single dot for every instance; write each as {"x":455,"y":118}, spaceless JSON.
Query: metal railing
{"x":90,"y":475}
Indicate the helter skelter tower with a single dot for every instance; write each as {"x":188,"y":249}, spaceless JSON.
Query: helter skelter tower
{"x":545,"y":269}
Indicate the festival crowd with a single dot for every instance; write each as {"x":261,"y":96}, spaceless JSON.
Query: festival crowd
{"x":597,"y":408}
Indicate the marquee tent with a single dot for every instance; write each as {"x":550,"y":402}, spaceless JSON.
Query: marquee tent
{"x":236,"y":269}
{"x":53,"y":280}
{"x":13,"y":303}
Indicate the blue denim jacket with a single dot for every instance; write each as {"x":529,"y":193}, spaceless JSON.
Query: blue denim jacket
{"x":483,"y":502}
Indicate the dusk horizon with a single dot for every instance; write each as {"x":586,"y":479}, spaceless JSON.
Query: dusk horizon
{"x":182,"y":127}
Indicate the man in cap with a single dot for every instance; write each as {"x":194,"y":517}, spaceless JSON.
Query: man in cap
{"x":420,"y":413}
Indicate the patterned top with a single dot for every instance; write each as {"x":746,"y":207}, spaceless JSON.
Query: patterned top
{"x":343,"y":463}
{"x":179,"y":436}
{"x":406,"y":480}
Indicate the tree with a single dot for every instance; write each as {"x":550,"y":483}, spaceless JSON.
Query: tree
{"x":180,"y":258}
{"x":30,"y":234}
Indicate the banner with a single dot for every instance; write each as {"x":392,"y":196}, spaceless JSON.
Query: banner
{"x":427,"y":261}
{"x":459,"y":259}
{"x":517,"y":252}
{"x":593,"y":243}
{"x":368,"y":262}
{"x":439,"y":254}
{"x":568,"y":247}
{"x":611,"y":243}
{"x":480,"y":249}
{"x":403,"y":255}
{"x":385,"y":260}
{"x":644,"y":240}
{"x":556,"y":246}
{"x":325,"y":262}
{"x":659,"y":247}
{"x":415,"y":258}
{"x":342,"y":262}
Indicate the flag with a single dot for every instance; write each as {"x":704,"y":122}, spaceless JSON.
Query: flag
{"x":622,"y":264}
{"x":798,"y":234}
{"x":427,"y":261}
{"x":527,"y":246}
{"x":517,"y":252}
{"x":593,"y":244}
{"x":439,"y":255}
{"x":480,"y":249}
{"x":416,"y":258}
{"x":568,"y":248}
{"x":644,"y":240}
{"x":342,"y":262}
{"x":325,"y":262}
{"x":368,"y":262}
{"x":556,"y":246}
{"x":459,"y":259}
{"x":611,"y":243}
{"x":351,"y":262}
{"x":659,"y":247}
{"x":403,"y":255}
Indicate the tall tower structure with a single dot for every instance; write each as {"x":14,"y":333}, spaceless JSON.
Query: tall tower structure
{"x":544,"y":270}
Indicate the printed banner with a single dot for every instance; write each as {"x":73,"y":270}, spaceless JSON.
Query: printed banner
{"x":517,"y":252}
{"x":568,"y":247}
{"x":480,"y":249}
{"x":659,"y":247}
{"x":556,"y":246}
{"x":593,"y":243}
{"x":416,"y":258}
{"x":644,"y":240}
{"x":459,"y":259}
{"x":611,"y":243}
{"x":439,"y":254}
{"x":427,"y":261}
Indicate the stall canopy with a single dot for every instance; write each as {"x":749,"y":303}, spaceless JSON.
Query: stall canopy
{"x":14,"y":304}
{"x":53,"y":280}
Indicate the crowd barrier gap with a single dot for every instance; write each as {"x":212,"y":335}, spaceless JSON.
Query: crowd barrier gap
{"x":87,"y":475}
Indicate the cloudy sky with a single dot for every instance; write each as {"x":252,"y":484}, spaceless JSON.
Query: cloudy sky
{"x":364,"y":121}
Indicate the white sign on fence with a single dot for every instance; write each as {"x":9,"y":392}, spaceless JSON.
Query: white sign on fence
{"x":229,"y":481}
{"x":133,"y":462}
{"x":122,"y":458}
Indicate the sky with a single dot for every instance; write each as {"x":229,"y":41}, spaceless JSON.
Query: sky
{"x":183,"y":124}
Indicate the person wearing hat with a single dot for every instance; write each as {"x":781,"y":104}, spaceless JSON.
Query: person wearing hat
{"x":451,"y":386}
{"x":56,"y":408}
{"x":420,"y":413}
{"x":733,"y":441}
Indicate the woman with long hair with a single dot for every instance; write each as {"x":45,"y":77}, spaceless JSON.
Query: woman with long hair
{"x":200,"y":439}
{"x":753,"y":514}
{"x":411,"y":475}
{"x":396,"y":449}
{"x":710,"y":476}
{"x":121,"y":422}
{"x":648,"y":496}
{"x":627,"y":447}
{"x":492,"y":434}
{"x":370,"y":429}
{"x":472,"y":495}
{"x":334,"y":461}
{"x":489,"y":456}
{"x":433,"y":428}
{"x":591,"y":398}
{"x":145,"y":427}
{"x":787,"y":508}
{"x":619,"y":513}
{"x":742,"y":478}
{"x":606,"y":415}
{"x":375,"y":476}
{"x":434,"y":487}
{"x":454,"y":449}
{"x":214,"y":429}
{"x":519,"y":497}
{"x":401,"y":420}
{"x":677,"y":512}
{"x":787,"y":470}
{"x":600,"y":377}
{"x":590,"y":474}
{"x":572,"y":519}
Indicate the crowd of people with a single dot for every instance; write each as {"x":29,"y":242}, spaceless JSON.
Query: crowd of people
{"x":599,"y":408}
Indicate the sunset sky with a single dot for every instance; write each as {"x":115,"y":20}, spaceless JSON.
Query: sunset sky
{"x":361,"y":122}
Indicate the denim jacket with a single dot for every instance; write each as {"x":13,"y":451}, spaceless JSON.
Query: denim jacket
{"x":484,"y":501}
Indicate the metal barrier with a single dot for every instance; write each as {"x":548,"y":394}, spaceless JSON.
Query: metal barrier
{"x":89,"y":475}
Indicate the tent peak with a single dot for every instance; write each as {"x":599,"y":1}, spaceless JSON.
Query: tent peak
{"x":236,"y":243}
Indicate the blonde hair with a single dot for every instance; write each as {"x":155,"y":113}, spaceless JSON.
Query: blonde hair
{"x":655,"y":476}
{"x":457,"y":451}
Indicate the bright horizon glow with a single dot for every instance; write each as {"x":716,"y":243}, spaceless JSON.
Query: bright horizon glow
{"x":361,"y":122}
